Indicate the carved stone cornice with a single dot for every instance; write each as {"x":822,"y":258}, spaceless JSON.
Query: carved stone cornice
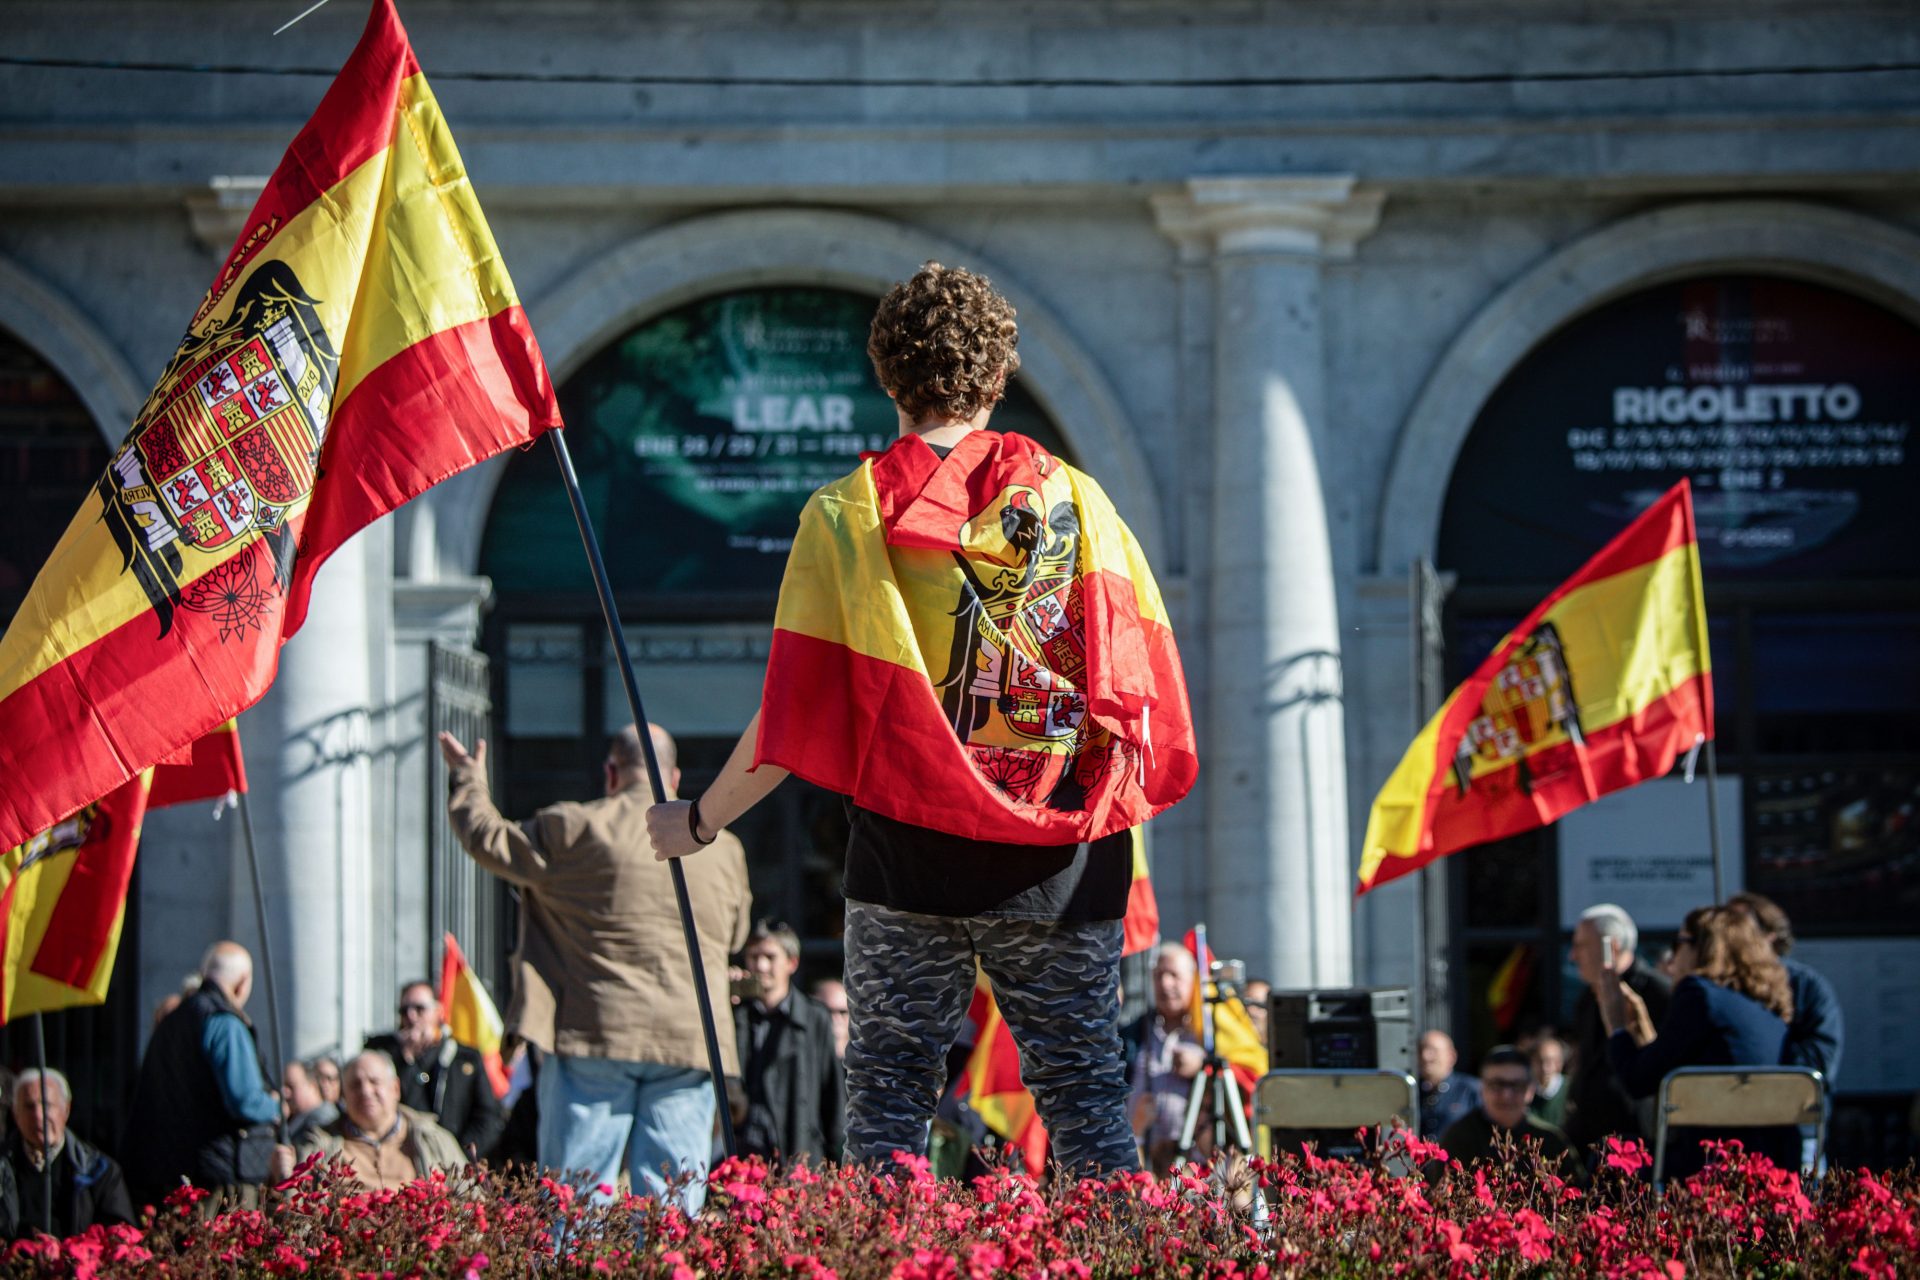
{"x":1323,"y":218}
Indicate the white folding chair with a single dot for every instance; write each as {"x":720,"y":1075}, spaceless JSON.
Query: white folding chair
{"x":1335,"y":1101}
{"x":1739,"y":1097}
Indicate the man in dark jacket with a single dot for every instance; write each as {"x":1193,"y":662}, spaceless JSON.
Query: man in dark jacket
{"x":87,"y":1186}
{"x":439,"y":1076}
{"x":1506,"y":1087}
{"x":796,"y":1095}
{"x":1604,"y":943}
{"x":201,"y":1108}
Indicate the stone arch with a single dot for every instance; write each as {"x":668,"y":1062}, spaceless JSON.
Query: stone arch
{"x":688,"y":260}
{"x":65,"y":338}
{"x":1825,"y":246}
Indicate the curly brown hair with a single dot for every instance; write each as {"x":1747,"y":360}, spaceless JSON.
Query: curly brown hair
{"x":1728,"y":948}
{"x":943,"y":343}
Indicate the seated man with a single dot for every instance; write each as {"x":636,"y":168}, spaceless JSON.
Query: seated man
{"x":306,"y":1107}
{"x":386,"y":1144}
{"x":1506,"y":1087}
{"x":88,"y":1187}
{"x":439,"y":1076}
{"x":1445,"y":1094}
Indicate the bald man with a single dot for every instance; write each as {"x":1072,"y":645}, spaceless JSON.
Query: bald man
{"x":602,"y":982}
{"x":202,"y":1110}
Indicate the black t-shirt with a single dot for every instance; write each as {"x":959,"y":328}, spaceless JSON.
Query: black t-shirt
{"x":908,"y":868}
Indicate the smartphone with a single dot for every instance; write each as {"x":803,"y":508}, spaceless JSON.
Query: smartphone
{"x":1606,"y":953}
{"x":745,"y":986}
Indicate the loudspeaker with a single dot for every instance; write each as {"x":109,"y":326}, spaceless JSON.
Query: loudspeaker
{"x":1355,"y":1029}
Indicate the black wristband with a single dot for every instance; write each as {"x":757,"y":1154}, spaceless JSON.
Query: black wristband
{"x":693,"y":825}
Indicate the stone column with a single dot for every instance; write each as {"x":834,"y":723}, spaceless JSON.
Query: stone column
{"x":1273,"y":763}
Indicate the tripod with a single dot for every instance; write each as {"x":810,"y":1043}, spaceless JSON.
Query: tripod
{"x":1215,"y":1078}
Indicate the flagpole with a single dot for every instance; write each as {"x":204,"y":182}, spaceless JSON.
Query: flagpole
{"x":266,"y":960}
{"x":604,"y":587}
{"x":1713,"y":822}
{"x":46,"y":1156}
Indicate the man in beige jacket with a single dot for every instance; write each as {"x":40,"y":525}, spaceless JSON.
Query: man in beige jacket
{"x":602,"y":982}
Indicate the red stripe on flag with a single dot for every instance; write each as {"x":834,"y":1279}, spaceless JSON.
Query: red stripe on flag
{"x":213,"y":768}
{"x":95,"y":892}
{"x":1642,"y":746}
{"x":121,"y":679}
{"x":449,"y":401}
{"x":353,"y":123}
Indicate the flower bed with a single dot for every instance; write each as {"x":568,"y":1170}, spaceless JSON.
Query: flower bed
{"x":1741,"y":1217}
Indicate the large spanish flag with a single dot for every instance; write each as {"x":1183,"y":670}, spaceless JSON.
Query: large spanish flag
{"x":1603,"y":685}
{"x":65,"y":893}
{"x":975,"y":644}
{"x":361,"y":343}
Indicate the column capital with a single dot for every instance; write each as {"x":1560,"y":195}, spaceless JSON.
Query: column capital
{"x":447,"y":610}
{"x":1323,"y":218}
{"x":218,"y":213}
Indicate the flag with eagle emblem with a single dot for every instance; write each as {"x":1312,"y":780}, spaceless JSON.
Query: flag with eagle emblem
{"x":360,"y":343}
{"x":975,"y":644}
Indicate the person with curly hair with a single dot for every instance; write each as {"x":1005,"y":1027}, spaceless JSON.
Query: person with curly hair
{"x":1731,"y":1007}
{"x":970,"y":647}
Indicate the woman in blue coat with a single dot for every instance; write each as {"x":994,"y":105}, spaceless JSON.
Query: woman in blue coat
{"x":1731,"y":1007}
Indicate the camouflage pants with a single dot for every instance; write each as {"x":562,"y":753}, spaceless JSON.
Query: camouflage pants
{"x":909,"y":981}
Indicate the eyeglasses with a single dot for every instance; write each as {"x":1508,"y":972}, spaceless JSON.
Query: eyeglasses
{"x":1505,"y":1086}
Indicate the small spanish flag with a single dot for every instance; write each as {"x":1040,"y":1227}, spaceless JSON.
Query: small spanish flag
{"x":1234,"y":1038}
{"x":65,"y":892}
{"x":361,"y":343}
{"x":975,"y":644}
{"x":1602,"y":686}
{"x":470,"y":1015}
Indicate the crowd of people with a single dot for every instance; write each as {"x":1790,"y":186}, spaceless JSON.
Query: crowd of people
{"x":955,"y":533}
{"x":1727,"y":995}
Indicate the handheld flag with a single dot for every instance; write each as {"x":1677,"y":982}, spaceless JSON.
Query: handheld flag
{"x":468,"y":1011}
{"x":1234,"y":1038}
{"x":361,"y":343}
{"x":975,"y":644}
{"x":65,"y":890}
{"x":1602,"y":686}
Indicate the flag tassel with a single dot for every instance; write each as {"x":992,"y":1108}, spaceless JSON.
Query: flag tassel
{"x":619,"y":637}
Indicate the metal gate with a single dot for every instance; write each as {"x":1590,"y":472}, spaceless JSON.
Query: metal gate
{"x":461,"y":899}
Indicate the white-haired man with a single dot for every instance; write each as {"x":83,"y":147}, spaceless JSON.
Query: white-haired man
{"x":1606,"y":941}
{"x":385,"y":1144}
{"x":202,"y":1110}
{"x":87,"y":1186}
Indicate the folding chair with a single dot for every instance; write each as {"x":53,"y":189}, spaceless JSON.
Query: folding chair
{"x":1739,"y":1097}
{"x":1330,"y":1102}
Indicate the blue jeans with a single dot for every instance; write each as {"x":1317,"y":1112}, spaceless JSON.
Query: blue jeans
{"x":595,"y":1110}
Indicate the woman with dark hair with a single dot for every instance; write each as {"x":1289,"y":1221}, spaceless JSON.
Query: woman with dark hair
{"x":1730,"y":1008}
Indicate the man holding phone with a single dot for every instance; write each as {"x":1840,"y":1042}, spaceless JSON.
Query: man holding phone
{"x":1604,"y":951}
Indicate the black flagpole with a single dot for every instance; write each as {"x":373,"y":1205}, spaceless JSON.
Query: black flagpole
{"x":46,"y":1156}
{"x":1713,"y":822}
{"x":619,"y":637}
{"x":266,"y":962}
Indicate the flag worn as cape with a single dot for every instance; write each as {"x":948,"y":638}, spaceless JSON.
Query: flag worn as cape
{"x":65,"y":890}
{"x":470,"y":1015}
{"x":1603,"y":685}
{"x":361,"y":343}
{"x":1234,"y":1037}
{"x":991,"y":1081}
{"x":976,"y":645}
